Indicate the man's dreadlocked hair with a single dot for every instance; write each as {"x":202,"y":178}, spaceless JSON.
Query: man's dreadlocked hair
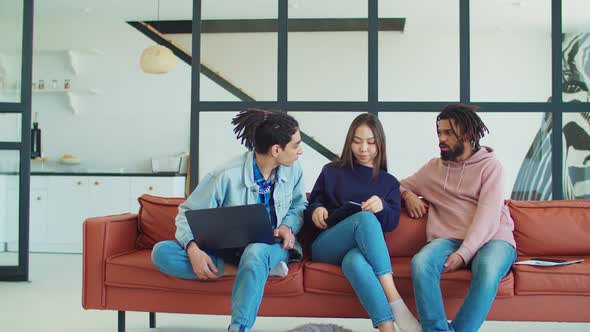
{"x":470,"y":125}
{"x":260,"y":129}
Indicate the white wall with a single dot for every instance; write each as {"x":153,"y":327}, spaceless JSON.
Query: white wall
{"x":10,"y":127}
{"x":247,"y":60}
{"x":418,"y":66}
{"x":254,"y":56}
{"x":412,"y":141}
{"x":219,"y":145}
{"x":511,"y":66}
{"x":10,"y":54}
{"x":134,"y":115}
{"x":413,"y":67}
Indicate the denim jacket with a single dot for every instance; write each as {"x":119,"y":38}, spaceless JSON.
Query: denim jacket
{"x":234,"y":185}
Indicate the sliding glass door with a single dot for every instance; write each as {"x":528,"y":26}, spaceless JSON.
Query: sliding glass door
{"x":16,"y":27}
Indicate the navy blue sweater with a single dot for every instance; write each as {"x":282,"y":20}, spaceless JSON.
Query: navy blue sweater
{"x":336,"y":186}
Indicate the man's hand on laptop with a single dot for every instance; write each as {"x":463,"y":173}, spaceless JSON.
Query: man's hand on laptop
{"x":202,"y":264}
{"x":285,"y":233}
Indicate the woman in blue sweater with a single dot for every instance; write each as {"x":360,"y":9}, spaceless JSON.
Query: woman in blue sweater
{"x":356,"y":242}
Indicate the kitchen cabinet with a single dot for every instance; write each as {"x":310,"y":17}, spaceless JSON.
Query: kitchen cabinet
{"x":157,"y":186}
{"x":38,"y":219}
{"x":38,"y":202}
{"x":9,"y":212}
{"x":67,"y":208}
{"x":60,"y":204}
{"x":108,"y":195}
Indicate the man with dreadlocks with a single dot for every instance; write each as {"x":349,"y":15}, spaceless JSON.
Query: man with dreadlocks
{"x":267,"y":174}
{"x":468,"y":225}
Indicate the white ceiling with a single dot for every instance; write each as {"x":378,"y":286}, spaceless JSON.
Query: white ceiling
{"x":501,"y":15}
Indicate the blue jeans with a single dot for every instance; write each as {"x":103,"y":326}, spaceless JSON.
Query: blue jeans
{"x":255,"y":264}
{"x":489,"y":265}
{"x":357,"y":244}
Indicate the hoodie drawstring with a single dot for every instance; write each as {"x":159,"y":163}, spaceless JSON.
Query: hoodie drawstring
{"x":446,"y":178}
{"x":482,"y":154}
{"x":461,"y":177}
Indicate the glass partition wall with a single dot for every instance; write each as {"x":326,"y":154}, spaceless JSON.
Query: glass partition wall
{"x":325,"y":61}
{"x":15,"y":109}
{"x":575,"y":48}
{"x":525,"y":63}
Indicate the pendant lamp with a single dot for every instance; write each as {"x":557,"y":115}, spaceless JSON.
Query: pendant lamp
{"x":157,"y":59}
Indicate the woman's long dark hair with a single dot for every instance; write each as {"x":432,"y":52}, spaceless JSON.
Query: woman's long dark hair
{"x":347,"y":158}
{"x":261,"y":129}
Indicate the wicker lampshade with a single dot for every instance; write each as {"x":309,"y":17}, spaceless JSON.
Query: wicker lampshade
{"x":157,"y":59}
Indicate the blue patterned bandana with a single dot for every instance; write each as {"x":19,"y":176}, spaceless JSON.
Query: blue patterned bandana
{"x":265,"y":191}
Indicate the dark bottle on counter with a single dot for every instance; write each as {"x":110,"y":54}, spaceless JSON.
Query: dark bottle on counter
{"x":35,"y":139}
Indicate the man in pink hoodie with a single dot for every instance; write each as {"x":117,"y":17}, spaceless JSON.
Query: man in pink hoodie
{"x":468,"y":225}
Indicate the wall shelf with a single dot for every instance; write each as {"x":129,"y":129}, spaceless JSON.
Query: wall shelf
{"x":68,"y":60}
{"x":73,"y":91}
{"x":71,"y":95}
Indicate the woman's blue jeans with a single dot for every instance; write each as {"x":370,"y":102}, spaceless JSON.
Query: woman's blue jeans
{"x":357,"y":244}
{"x":491,"y":263}
{"x":255,"y":264}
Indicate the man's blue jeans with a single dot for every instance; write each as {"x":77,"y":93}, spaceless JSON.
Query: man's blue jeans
{"x":255,"y":264}
{"x":491,"y":263}
{"x":357,"y":244}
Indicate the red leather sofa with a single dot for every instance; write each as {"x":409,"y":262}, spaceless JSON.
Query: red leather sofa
{"x":118,"y":273}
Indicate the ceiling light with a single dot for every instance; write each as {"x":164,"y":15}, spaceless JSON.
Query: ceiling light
{"x":157,"y":59}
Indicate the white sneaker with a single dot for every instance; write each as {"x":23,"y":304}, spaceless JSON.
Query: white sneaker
{"x":280,"y":270}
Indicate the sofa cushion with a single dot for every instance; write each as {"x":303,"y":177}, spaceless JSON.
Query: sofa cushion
{"x":555,"y":280}
{"x":408,"y":238}
{"x":325,"y":278}
{"x":136,"y":270}
{"x":551,"y":228}
{"x":156,"y":220}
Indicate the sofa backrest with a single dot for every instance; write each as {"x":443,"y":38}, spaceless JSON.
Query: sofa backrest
{"x":541,"y":227}
{"x":157,"y":223}
{"x":156,"y":220}
{"x":551,"y":227}
{"x":408,"y":238}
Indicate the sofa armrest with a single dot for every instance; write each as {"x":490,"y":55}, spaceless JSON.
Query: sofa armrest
{"x":103,"y":237}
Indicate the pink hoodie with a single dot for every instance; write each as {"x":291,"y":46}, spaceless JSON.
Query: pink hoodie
{"x":466,"y":201}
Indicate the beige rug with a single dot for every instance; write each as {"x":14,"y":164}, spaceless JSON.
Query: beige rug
{"x":320,"y":328}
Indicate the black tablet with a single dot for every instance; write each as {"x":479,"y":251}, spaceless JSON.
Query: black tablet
{"x":343,"y":212}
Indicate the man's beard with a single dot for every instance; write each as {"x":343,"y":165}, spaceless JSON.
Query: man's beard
{"x":453,"y":152}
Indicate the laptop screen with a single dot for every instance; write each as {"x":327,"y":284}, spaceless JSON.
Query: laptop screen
{"x":230,"y":227}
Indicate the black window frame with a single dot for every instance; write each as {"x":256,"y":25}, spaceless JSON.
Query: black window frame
{"x":20,"y":272}
{"x":555,"y":106}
